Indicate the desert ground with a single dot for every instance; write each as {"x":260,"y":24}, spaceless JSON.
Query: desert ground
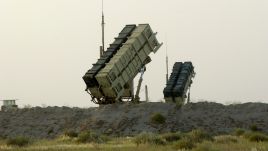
{"x":143,"y":126}
{"x":130,"y":119}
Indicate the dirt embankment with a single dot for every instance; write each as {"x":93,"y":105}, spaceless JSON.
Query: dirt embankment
{"x":129,"y":119}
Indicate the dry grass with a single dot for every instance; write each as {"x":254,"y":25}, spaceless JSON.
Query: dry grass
{"x":226,"y":139}
{"x":241,"y":145}
{"x":63,"y":143}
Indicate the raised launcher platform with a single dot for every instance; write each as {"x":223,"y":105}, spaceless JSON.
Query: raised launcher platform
{"x":110,"y":79}
{"x":179,"y":82}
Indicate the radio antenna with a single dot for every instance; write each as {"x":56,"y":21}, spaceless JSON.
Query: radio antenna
{"x":102,"y":27}
{"x":166,"y":60}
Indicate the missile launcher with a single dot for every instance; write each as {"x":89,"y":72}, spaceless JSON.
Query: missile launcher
{"x":179,"y":82}
{"x":110,"y":79}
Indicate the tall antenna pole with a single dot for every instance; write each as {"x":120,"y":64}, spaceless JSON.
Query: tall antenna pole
{"x":102,"y":25}
{"x":166,"y":62}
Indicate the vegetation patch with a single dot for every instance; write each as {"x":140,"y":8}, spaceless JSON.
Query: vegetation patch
{"x":199,"y":135}
{"x":149,"y":138}
{"x":185,"y":143}
{"x":171,"y":137}
{"x":158,"y":118}
{"x":89,"y":137}
{"x":147,"y":141}
{"x":254,"y":127}
{"x":71,"y":133}
{"x":189,"y":140}
{"x":18,"y":141}
{"x":239,"y":132}
{"x":204,"y":147}
{"x":256,"y":137}
{"x":226,"y":139}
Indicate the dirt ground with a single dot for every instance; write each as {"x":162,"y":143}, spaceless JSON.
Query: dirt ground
{"x":128,"y":119}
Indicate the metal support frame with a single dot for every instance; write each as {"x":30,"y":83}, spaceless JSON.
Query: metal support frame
{"x":137,"y":97}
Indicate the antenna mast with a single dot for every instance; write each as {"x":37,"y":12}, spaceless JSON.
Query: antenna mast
{"x":166,"y":62}
{"x":102,"y":27}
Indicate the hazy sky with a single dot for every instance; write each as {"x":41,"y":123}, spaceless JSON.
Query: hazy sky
{"x":46,"y":46}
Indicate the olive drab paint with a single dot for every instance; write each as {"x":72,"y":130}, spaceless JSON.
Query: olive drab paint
{"x":111,"y":77}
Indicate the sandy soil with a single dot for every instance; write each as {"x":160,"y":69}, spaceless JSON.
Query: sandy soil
{"x":129,"y":119}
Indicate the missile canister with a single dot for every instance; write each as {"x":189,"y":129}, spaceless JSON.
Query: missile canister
{"x":128,"y":61}
{"x":112,"y":76}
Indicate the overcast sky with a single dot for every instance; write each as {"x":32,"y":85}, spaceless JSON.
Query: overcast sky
{"x":46,"y":46}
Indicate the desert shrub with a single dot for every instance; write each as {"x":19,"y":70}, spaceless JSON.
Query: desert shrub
{"x":157,"y":141}
{"x":18,"y":141}
{"x":226,"y":139}
{"x":256,"y":137}
{"x":148,"y":138}
{"x":184,"y":143}
{"x":204,"y":147}
{"x":239,"y":132}
{"x":158,"y":118}
{"x":253,"y":127}
{"x":247,"y":134}
{"x":89,"y":137}
{"x":142,"y":138}
{"x":199,"y":135}
{"x":171,"y":137}
{"x":71,"y":133}
{"x":50,"y":131}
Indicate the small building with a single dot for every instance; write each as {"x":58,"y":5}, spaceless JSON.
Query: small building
{"x":9,"y":105}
